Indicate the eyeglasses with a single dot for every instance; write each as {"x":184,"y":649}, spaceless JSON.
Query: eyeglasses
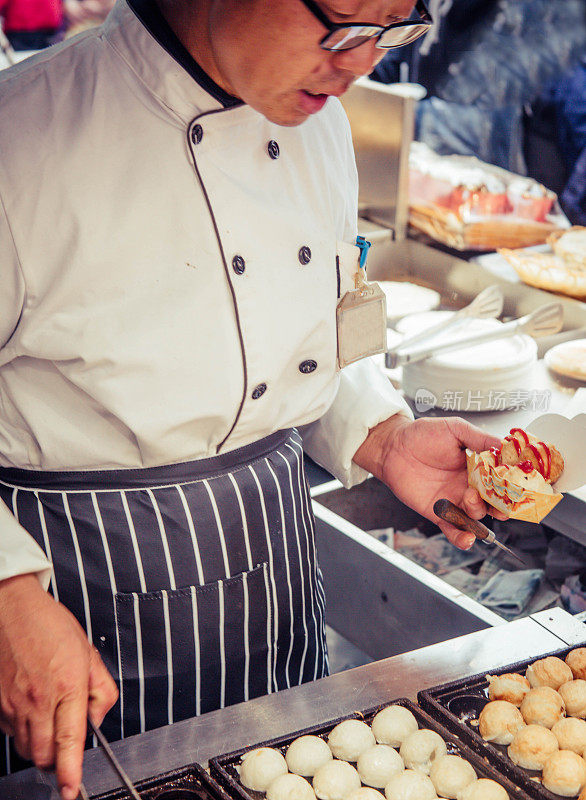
{"x":346,"y":37}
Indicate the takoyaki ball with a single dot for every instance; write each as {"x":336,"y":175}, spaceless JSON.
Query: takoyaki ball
{"x":350,"y":738}
{"x":260,"y":767}
{"x":393,"y":725}
{"x":365,"y":793}
{"x":554,"y":458}
{"x":573,"y":693}
{"x":410,"y":785}
{"x":335,"y":780}
{"x":483,"y":789}
{"x":451,"y":774}
{"x":510,"y":687}
{"x":550,"y":671}
{"x":571,"y":734}
{"x":576,"y":661}
{"x":532,"y":746}
{"x":499,"y":721}
{"x":290,"y":787}
{"x":306,"y":754}
{"x":420,"y":749}
{"x":377,"y":765}
{"x":564,"y":773}
{"x":543,"y":706}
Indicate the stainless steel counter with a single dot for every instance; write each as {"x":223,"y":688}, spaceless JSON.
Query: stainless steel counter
{"x":267,"y":717}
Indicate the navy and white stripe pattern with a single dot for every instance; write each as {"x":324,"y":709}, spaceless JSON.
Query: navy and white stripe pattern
{"x":197,"y":583}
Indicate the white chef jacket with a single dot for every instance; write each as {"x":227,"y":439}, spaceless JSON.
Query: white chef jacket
{"x":169,"y":286}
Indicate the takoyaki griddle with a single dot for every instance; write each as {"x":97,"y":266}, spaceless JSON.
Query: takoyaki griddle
{"x":224,"y":767}
{"x":187,"y":783}
{"x":458,"y":704}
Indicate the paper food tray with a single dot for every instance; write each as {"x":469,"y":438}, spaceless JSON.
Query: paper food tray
{"x":224,"y":768}
{"x":458,"y":704}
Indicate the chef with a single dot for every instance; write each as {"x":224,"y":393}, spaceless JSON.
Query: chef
{"x":178,"y":226}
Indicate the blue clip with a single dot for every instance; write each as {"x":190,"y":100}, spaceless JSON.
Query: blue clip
{"x":364,"y":246}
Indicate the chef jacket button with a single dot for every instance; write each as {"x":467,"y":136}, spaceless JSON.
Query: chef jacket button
{"x":308,"y":366}
{"x":196,"y":134}
{"x":238,"y":265}
{"x":258,"y":391}
{"x":304,"y":254}
{"x":273,"y":149}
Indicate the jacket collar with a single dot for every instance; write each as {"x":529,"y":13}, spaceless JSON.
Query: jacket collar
{"x":139,"y":33}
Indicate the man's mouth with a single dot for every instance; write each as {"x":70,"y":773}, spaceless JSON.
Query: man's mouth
{"x":312,"y":102}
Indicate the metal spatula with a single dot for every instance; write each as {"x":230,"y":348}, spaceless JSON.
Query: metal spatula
{"x":544,"y":321}
{"x":487,"y":304}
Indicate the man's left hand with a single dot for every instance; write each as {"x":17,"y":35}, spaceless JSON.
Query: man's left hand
{"x":425,"y":460}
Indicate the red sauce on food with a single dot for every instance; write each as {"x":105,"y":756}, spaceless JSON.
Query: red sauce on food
{"x":521,"y":433}
{"x":515,"y":442}
{"x":537,"y":454}
{"x":496,"y":452}
{"x":526,"y":466}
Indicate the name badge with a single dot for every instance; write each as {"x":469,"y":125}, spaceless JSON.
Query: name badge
{"x":361,"y":315}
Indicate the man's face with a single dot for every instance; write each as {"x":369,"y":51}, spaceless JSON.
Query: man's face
{"x":267,"y":53}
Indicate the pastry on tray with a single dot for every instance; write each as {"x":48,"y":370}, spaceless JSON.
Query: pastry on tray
{"x":471,"y":205}
{"x":563,"y":270}
{"x":518,"y":476}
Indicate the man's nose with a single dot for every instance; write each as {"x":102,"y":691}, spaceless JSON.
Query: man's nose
{"x":359,"y":60}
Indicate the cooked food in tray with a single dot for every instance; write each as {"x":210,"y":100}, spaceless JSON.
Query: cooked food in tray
{"x":535,"y":721}
{"x":517,"y":477}
{"x":562,"y":270}
{"x":390,"y":755}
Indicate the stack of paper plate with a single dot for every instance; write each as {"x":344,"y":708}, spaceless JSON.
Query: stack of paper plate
{"x":405,"y":298}
{"x":486,"y":377}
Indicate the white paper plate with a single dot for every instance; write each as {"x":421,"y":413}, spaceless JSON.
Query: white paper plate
{"x":407,"y":298}
{"x":568,"y":359}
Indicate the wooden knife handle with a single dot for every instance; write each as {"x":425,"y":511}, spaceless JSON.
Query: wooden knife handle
{"x":451,"y":513}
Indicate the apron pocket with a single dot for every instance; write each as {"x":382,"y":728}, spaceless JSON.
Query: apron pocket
{"x":194,"y":649}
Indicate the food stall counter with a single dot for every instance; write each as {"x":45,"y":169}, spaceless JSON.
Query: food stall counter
{"x":339,"y":695}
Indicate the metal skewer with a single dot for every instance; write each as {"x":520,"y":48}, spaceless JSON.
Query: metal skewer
{"x":83,"y":795}
{"x":453,"y":514}
{"x":102,"y":741}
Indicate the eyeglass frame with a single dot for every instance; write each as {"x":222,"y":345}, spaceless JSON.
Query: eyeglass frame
{"x":425,"y":19}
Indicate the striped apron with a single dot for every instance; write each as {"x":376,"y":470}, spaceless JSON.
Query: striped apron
{"x":197,"y":582}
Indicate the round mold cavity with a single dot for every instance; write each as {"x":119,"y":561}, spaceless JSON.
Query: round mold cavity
{"x":466,"y":706}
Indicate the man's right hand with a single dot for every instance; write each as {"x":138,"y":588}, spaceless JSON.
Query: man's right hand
{"x":51,"y":678}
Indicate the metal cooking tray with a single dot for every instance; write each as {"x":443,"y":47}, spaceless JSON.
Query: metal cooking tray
{"x":224,"y":767}
{"x":186,"y":783}
{"x":458,"y":703}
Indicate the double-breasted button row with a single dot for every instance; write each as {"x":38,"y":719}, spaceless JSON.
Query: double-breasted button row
{"x":273,"y":148}
{"x":239,"y":264}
